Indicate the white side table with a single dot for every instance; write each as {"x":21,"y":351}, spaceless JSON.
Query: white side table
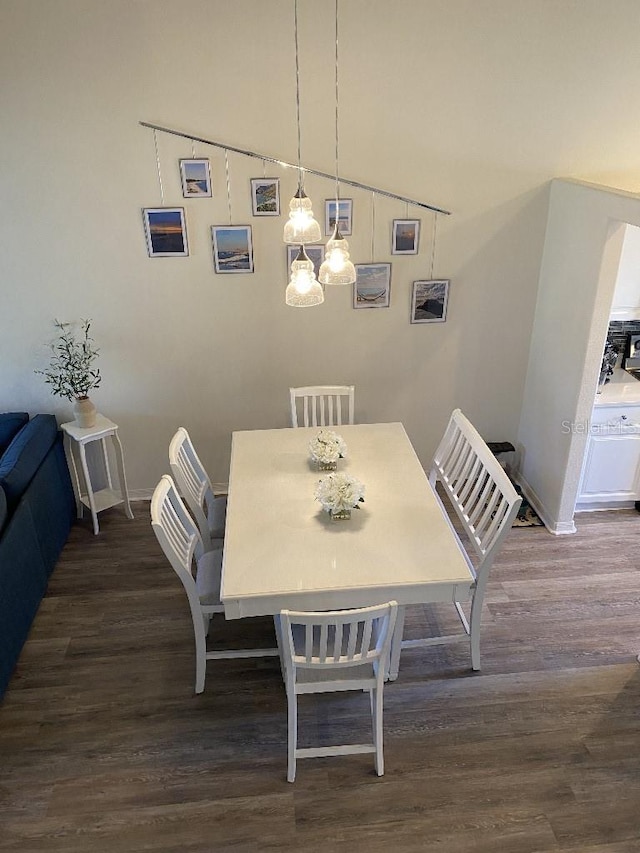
{"x":75,"y":440}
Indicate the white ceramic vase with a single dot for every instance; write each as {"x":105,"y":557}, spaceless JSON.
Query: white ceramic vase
{"x":84,"y":412}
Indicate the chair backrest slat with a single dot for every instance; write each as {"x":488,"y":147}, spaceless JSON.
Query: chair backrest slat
{"x":192,"y":479}
{"x":478,"y":488}
{"x":338,"y":638}
{"x":176,"y":532}
{"x":322,"y":405}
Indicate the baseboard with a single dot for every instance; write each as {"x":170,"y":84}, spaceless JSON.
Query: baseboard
{"x":140,"y":494}
{"x":557,"y":528}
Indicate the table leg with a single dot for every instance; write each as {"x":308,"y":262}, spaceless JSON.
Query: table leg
{"x":121,"y":474}
{"x":87,"y":480}
{"x":396,"y":644}
{"x":105,"y":460}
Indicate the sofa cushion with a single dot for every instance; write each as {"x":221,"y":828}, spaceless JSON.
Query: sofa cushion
{"x":24,"y":456}
{"x":3,"y":508}
{"x":10,"y":423}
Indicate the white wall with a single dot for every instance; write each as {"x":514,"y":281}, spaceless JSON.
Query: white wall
{"x":627,"y":291}
{"x":473,"y":105}
{"x":583,"y":245}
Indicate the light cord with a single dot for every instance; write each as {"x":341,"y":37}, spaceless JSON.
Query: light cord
{"x":155,"y":142}
{"x":295,"y":28}
{"x":373,"y":222}
{"x":337,"y":102}
{"x":226,"y":164}
{"x":433,"y":243}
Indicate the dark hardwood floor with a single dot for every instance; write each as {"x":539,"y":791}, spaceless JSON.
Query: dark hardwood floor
{"x":105,"y":747}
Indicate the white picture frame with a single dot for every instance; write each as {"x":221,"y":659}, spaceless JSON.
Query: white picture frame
{"x":429,"y":301}
{"x":372,"y":287}
{"x":232,"y":249}
{"x":405,"y":237}
{"x":195,"y":176}
{"x":265,"y":196}
{"x":165,"y":231}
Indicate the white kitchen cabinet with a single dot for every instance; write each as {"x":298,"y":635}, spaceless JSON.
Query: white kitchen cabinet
{"x":611,"y":472}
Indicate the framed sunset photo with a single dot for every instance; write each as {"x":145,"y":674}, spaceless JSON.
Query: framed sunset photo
{"x":406,"y":233}
{"x":165,"y":231}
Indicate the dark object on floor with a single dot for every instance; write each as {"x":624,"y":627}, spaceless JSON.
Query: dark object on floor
{"x":527,"y":516}
{"x":498,"y":447}
{"x":637,"y":506}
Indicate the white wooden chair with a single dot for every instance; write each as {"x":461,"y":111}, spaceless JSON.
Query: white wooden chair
{"x":207,"y":507}
{"x":322,"y":405}
{"x":335,"y":651}
{"x":486,"y":504}
{"x":198,"y":570}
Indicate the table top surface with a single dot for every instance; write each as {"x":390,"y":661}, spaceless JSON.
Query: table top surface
{"x":282,"y":550}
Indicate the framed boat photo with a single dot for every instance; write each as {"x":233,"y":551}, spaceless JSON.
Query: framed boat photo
{"x":232,"y":249}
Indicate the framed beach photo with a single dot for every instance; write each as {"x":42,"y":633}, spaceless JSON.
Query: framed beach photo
{"x":315,"y":254}
{"x":406,"y":233}
{"x":429,"y":301}
{"x":232,"y":248}
{"x":165,"y":231}
{"x":265,"y":196}
{"x":372,"y":287}
{"x":196,"y":178}
{"x":345,"y":216}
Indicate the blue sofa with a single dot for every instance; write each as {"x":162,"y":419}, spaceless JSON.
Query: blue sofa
{"x":37,"y":509}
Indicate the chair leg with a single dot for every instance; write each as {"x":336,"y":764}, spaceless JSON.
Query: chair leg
{"x":199,"y":630}
{"x":474,"y":632}
{"x":396,"y":645}
{"x":292,"y":703}
{"x":377,"y":732}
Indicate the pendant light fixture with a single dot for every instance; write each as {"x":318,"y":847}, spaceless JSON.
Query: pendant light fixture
{"x":301,"y":227}
{"x":337,"y":268}
{"x":303,"y":291}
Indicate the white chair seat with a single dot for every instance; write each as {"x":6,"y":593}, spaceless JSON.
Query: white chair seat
{"x":208,"y":577}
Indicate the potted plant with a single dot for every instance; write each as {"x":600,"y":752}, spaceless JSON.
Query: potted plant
{"x":70,"y":372}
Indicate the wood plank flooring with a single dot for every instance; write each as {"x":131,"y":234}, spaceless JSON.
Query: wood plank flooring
{"x":104,"y":747}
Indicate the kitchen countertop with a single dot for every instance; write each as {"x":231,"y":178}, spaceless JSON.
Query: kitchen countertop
{"x":621,"y":388}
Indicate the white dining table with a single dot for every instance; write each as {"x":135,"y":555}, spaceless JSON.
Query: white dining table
{"x":283,"y":551}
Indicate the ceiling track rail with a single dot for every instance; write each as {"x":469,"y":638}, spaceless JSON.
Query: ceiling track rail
{"x":265,"y":158}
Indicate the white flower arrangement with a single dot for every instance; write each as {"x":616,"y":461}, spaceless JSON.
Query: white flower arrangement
{"x":327,"y":446}
{"x":339,"y":492}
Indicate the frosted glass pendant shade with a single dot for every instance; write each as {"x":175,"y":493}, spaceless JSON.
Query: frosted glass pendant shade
{"x":336,"y":267}
{"x":301,"y":227}
{"x":303,"y":290}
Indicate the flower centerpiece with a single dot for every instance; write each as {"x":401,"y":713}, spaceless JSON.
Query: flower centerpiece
{"x":70,"y":372}
{"x":326,"y":448}
{"x":339,"y":494}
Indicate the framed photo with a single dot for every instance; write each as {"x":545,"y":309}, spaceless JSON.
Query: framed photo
{"x":196,"y":178}
{"x":429,"y":301}
{"x":232,"y":248}
{"x":345,"y":216}
{"x":265,"y":196}
{"x":406,"y":233}
{"x":315,"y":253}
{"x":166,"y":232}
{"x":372,"y":287}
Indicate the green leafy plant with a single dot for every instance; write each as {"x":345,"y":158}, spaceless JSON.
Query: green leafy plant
{"x":70,"y":373}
